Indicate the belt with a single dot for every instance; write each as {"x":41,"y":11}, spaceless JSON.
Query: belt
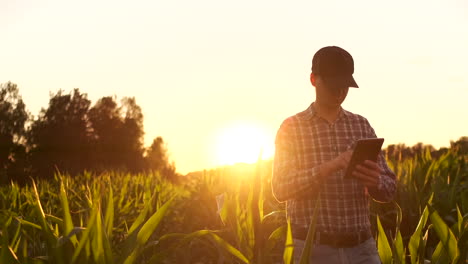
{"x":337,"y":240}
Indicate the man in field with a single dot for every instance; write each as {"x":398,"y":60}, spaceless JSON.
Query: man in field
{"x":312,"y":154}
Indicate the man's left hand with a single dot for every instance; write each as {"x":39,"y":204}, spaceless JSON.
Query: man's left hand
{"x":368,"y":173}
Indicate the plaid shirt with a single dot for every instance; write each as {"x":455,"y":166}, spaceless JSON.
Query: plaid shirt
{"x":304,"y":142}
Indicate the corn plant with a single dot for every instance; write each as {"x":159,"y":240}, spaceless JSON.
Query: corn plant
{"x":32,"y":234}
{"x":253,"y":232}
{"x":121,"y":218}
{"x":452,"y":246}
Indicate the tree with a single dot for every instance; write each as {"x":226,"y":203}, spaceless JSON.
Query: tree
{"x":118,"y":134}
{"x":133,"y":132}
{"x":157,"y":159}
{"x":460,"y":146}
{"x":68,"y":136}
{"x":13,"y":116}
{"x":60,"y":137}
{"x":106,"y":124}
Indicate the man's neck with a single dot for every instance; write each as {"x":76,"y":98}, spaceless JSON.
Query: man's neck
{"x":328,"y":113}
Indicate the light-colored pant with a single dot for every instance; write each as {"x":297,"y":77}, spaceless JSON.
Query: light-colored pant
{"x":364,"y":253}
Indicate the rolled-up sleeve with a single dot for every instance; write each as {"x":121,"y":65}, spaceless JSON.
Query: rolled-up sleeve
{"x":289,"y":181}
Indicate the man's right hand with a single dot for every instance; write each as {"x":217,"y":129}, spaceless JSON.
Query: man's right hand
{"x":341,"y":162}
{"x":336,"y":164}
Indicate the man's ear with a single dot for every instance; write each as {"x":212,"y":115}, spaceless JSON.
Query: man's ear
{"x":313,"y":78}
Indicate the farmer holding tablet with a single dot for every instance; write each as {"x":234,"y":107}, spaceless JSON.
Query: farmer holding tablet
{"x":313,"y":149}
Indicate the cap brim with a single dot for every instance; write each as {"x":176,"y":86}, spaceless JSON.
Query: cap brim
{"x":352,"y":82}
{"x":339,"y":82}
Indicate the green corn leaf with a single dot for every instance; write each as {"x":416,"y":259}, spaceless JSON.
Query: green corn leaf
{"x":273,"y":215}
{"x":399,"y":216}
{"x":42,"y":217}
{"x":97,"y":232}
{"x":16,"y":237}
{"x":305,"y":255}
{"x":51,"y":239}
{"x":141,"y":218}
{"x":399,"y":249}
{"x":258,"y":186}
{"x":146,"y":231}
{"x":229,"y":248}
{"x":108,"y":227}
{"x":148,"y":228}
{"x":440,"y":255}
{"x":27,"y":223}
{"x":109,"y":217}
{"x":249,"y":227}
{"x":460,"y":226}
{"x":447,"y":238}
{"x":84,"y":241}
{"x":57,"y":221}
{"x":108,"y":256}
{"x":7,"y":255}
{"x":257,"y":214}
{"x":288,"y":253}
{"x":385,"y":251}
{"x":462,"y":235}
{"x":218,"y":241}
{"x":73,"y":233}
{"x":275,"y":236}
{"x":416,"y":244}
{"x":67,"y":224}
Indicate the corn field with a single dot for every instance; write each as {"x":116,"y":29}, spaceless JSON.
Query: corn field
{"x":227,"y":215}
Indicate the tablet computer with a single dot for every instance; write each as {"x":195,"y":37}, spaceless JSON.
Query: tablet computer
{"x":365,"y":149}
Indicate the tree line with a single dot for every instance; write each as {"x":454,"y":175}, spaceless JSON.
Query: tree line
{"x":400,"y":152}
{"x":71,"y":135}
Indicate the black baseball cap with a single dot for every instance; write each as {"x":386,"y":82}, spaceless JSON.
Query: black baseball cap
{"x":336,"y":66}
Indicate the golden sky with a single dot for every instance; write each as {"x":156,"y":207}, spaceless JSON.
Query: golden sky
{"x":203,"y":69}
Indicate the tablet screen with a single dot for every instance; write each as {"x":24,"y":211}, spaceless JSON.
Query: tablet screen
{"x":365,"y":149}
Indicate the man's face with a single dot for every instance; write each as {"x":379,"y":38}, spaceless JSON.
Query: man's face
{"x":330,"y":96}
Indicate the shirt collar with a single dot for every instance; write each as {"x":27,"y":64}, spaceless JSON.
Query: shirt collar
{"x":310,"y":113}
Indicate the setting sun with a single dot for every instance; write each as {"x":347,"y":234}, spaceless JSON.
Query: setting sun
{"x":242,"y":142}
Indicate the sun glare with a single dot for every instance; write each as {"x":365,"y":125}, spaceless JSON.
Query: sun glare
{"x":242,"y":142}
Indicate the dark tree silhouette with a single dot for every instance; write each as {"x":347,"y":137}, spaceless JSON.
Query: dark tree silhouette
{"x":13,"y":116}
{"x":117,"y":135}
{"x":460,"y":146}
{"x":132,"y":141}
{"x":107,"y":125}
{"x":71,"y":137}
{"x":157,"y":159}
{"x":60,"y":136}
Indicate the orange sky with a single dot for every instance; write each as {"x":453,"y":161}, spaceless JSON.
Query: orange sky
{"x":197,"y":67}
